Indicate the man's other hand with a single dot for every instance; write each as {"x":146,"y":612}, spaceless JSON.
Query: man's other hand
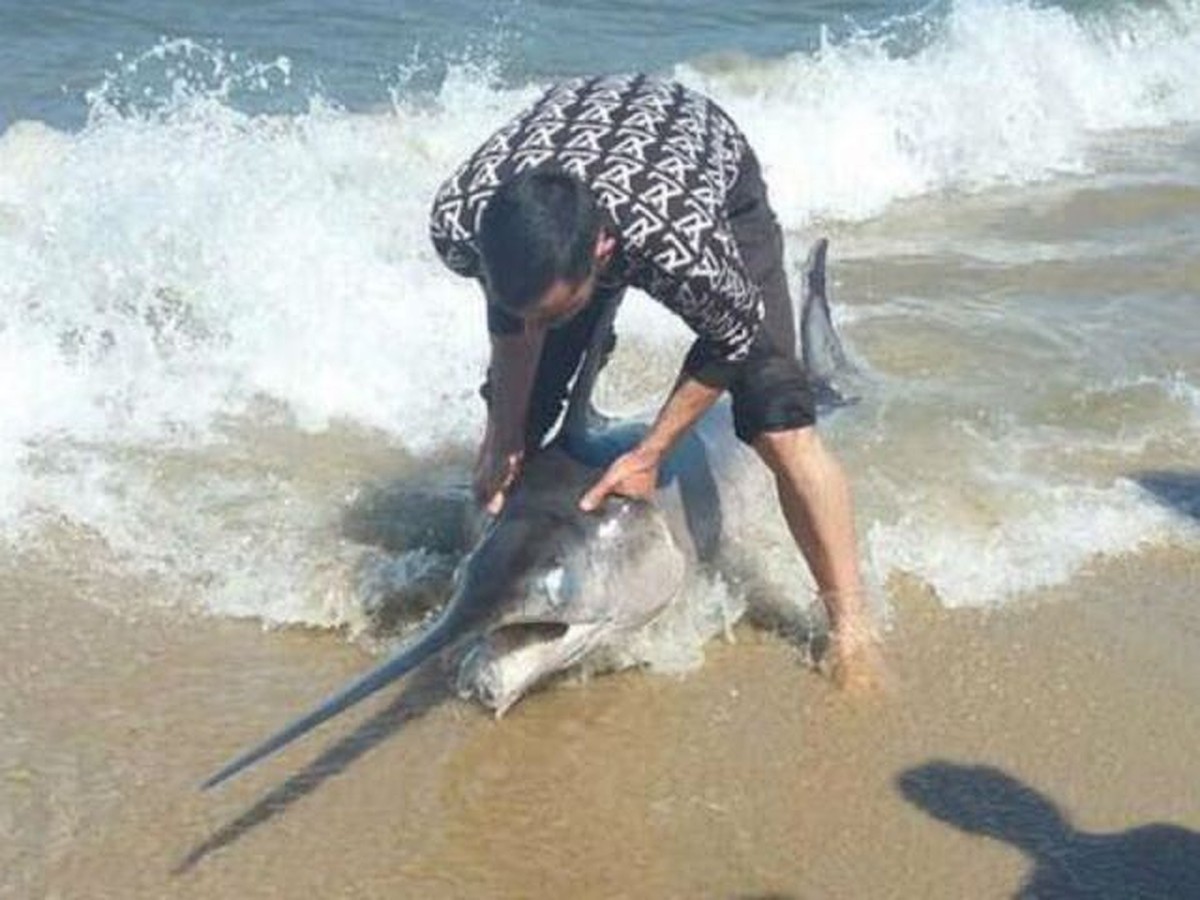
{"x":634,"y":474}
{"x":495,"y":471}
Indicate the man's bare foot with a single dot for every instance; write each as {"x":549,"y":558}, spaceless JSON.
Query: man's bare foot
{"x":854,"y":660}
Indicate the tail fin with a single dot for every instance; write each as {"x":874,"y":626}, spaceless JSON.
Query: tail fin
{"x":820,"y":347}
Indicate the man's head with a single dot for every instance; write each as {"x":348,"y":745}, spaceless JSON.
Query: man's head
{"x":542,"y":243}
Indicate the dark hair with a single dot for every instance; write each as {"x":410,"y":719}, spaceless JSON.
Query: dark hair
{"x":539,"y":226}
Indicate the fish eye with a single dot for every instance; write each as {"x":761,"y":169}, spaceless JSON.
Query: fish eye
{"x":618,"y":513}
{"x":558,"y":584}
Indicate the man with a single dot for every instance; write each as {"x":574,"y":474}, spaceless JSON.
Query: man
{"x":616,"y":181}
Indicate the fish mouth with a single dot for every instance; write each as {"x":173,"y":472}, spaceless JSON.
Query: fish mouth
{"x":508,"y":660}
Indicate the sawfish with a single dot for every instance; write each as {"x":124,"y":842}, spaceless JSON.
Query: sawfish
{"x":546,"y":585}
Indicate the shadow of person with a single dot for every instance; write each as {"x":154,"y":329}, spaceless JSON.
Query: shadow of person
{"x":1158,"y":861}
{"x":1179,"y":491}
{"x":425,"y":689}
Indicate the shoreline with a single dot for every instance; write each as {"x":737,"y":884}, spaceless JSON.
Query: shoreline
{"x":748,"y":777}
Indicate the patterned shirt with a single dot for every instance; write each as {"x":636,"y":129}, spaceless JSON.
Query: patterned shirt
{"x":661,"y":161}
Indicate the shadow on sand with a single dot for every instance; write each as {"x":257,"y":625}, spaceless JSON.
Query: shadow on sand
{"x":1178,"y":490}
{"x":425,"y":689}
{"x":1158,"y":861}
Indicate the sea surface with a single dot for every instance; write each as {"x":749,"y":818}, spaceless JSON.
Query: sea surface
{"x":221,"y":319}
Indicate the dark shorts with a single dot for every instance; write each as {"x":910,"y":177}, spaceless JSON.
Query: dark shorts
{"x":770,"y":389}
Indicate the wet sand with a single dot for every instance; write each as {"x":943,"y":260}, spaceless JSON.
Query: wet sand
{"x":1024,"y":746}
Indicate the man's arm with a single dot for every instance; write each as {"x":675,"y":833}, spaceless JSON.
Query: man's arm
{"x":511,"y":373}
{"x":635,"y":474}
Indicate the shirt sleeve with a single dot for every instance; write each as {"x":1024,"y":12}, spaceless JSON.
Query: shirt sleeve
{"x":453,"y":238}
{"x":717,"y":299}
{"x":723,"y":341}
{"x":458,"y":249}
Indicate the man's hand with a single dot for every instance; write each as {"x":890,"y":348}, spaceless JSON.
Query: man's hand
{"x":635,"y":474}
{"x":495,"y":471}
{"x":510,"y":373}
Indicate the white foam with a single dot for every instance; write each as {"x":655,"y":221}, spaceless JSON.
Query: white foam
{"x":1001,"y":92}
{"x":1067,"y":527}
{"x":674,"y":642}
{"x":1181,"y":389}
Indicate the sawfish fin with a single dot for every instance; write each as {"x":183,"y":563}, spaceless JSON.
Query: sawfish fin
{"x":820,"y":347}
{"x":436,"y":638}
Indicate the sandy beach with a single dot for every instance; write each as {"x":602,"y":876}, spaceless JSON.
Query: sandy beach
{"x":1021,"y":747}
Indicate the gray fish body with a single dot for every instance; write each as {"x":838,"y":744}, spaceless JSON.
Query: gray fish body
{"x":600,"y":577}
{"x":545,"y":585}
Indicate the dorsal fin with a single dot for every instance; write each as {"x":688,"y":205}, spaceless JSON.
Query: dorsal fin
{"x":820,"y":347}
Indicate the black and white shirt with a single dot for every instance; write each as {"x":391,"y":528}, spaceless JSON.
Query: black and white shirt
{"x":661,"y":160}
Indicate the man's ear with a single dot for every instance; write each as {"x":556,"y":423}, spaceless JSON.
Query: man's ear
{"x":606,"y":245}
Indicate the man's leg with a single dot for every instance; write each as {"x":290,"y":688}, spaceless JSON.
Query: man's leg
{"x":814,"y":495}
{"x":774,"y":412}
{"x":773,"y":406}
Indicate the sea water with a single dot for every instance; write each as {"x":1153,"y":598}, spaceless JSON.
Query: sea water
{"x":223,"y":329}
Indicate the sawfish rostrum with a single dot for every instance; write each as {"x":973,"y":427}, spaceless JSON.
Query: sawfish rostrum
{"x":545,"y":585}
